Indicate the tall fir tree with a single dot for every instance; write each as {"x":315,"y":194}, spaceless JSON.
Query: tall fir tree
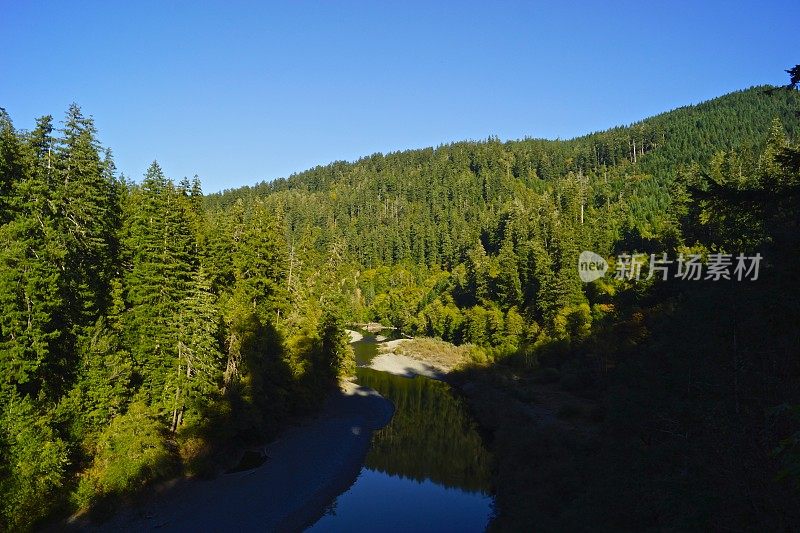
{"x":160,"y":245}
{"x":197,"y":380}
{"x":86,"y":199}
{"x":33,"y":337}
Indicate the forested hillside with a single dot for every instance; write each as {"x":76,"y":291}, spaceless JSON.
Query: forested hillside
{"x":456,"y":241}
{"x":144,"y":325}
{"x":694,"y":382}
{"x":430,"y":207}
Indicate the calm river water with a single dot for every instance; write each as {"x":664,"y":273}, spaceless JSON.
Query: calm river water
{"x":426,"y":471}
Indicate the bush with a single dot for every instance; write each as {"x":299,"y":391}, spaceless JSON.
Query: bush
{"x":32,"y":468}
{"x":476,"y":354}
{"x":130,"y":452}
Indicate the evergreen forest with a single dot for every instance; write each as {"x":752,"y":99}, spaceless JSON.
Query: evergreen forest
{"x":147,"y":327}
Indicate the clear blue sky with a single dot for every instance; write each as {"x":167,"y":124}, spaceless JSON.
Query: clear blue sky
{"x":238,"y":92}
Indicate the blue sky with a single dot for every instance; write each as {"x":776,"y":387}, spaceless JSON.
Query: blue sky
{"x":239,"y":92}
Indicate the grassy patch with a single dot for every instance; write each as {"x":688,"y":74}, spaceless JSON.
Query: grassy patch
{"x":440,"y":353}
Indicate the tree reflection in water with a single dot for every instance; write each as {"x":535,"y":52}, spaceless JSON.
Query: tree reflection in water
{"x":430,"y":437}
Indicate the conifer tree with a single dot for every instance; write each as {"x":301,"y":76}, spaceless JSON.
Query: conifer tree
{"x":33,"y":343}
{"x":160,"y":244}
{"x":509,"y":288}
{"x":86,"y":203}
{"x":200,"y":363}
{"x":260,"y":262}
{"x":104,"y":386}
{"x":42,"y":145}
{"x":12,"y":166}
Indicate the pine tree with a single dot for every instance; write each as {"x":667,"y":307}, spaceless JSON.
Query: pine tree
{"x":334,"y":356}
{"x":86,"y":201}
{"x":42,"y":145}
{"x":104,"y":386}
{"x":197,"y":380}
{"x":33,"y":343}
{"x":12,"y":166}
{"x":478,"y":272}
{"x":509,"y":288}
{"x":161,"y":246}
{"x":260,"y":262}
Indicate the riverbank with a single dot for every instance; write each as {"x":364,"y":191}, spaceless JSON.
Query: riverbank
{"x":422,"y":356}
{"x":401,"y":365}
{"x":540,"y":434}
{"x":305,"y":468}
{"x":355,"y":336}
{"x":394,"y":359}
{"x":540,"y":402}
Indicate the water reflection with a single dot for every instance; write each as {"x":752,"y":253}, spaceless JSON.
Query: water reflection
{"x":430,"y":437}
{"x":378,"y":502}
{"x":367,"y":347}
{"x":425,"y":471}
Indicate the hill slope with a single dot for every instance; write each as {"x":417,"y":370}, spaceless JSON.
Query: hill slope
{"x":430,"y":205}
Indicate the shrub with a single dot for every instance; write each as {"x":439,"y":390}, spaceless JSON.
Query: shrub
{"x":131,"y":451}
{"x":32,"y":468}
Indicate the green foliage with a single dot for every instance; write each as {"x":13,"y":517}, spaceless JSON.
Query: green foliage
{"x":129,"y":452}
{"x":160,"y":244}
{"x":34,"y":464}
{"x":334,"y":356}
{"x":430,"y":203}
{"x":573,"y":322}
{"x":259,"y":260}
{"x":199,"y":348}
{"x":34,"y":336}
{"x":103,"y":388}
{"x":87,"y":215}
{"x":31,"y":319}
{"x":111,"y":291}
{"x":138,"y":317}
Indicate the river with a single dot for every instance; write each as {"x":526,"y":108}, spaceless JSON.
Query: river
{"x":426,"y":471}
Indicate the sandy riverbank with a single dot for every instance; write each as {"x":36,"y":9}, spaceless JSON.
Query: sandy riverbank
{"x":354,"y":335}
{"x":307,"y":467}
{"x":402,"y":365}
{"x":390,"y":346}
{"x":432,"y":358}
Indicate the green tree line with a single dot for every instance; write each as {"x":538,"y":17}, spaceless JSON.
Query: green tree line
{"x":136,"y":331}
